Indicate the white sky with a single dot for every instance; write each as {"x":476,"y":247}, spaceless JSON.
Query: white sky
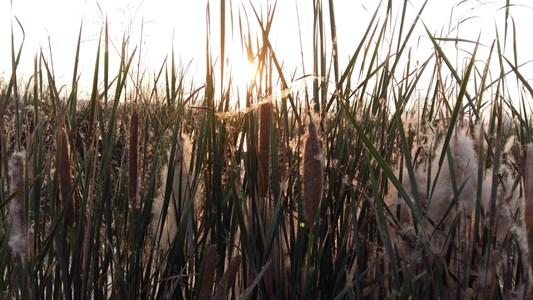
{"x":181,"y":23}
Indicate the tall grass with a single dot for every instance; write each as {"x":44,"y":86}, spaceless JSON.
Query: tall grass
{"x":268,"y":206}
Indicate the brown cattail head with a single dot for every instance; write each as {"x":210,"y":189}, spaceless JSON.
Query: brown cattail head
{"x":65,"y":178}
{"x":228,"y":278}
{"x":133,"y":159}
{"x":312,"y":173}
{"x":206,"y":286}
{"x":264,"y":147}
{"x":528,"y":185}
{"x":18,"y":238}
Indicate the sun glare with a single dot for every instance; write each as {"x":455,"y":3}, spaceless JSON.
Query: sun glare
{"x":243,"y":73}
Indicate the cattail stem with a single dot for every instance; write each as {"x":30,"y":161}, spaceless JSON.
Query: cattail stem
{"x":133,"y":158}
{"x":18,"y":238}
{"x":65,"y":178}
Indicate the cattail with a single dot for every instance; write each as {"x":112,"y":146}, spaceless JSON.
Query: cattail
{"x":18,"y":239}
{"x":264,"y":147}
{"x":184,"y":190}
{"x":312,"y":173}
{"x":528,"y":184}
{"x":228,"y":278}
{"x":133,"y":158}
{"x":65,"y":178}
{"x":182,"y":181}
{"x":206,"y":286}
{"x":464,"y":174}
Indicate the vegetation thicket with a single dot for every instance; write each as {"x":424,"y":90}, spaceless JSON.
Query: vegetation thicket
{"x":381,"y":178}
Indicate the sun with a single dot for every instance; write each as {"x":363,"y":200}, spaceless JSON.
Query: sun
{"x":243,"y":73}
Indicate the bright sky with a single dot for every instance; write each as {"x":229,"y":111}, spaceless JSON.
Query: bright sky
{"x":181,"y":24}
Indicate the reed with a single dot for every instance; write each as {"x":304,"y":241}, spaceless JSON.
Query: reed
{"x":133,"y":159}
{"x":407,"y":185}
{"x":65,"y":177}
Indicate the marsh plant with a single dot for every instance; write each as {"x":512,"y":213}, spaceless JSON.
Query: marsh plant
{"x":355,"y":185}
{"x":459,"y":207}
{"x":185,"y":194}
{"x":18,"y":235}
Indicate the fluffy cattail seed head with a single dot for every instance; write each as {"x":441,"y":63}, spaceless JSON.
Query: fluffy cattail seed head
{"x":18,"y":238}
{"x":185,"y":188}
{"x":312,"y":173}
{"x":528,"y":185}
